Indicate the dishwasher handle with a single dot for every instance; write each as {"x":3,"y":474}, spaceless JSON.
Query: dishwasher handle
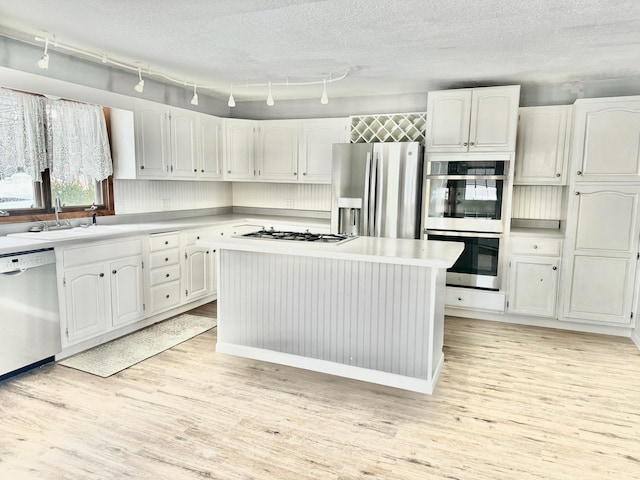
{"x":14,"y":272}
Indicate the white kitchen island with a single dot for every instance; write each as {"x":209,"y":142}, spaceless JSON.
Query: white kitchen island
{"x":370,"y":308}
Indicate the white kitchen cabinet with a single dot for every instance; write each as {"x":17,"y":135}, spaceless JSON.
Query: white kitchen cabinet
{"x":101,"y":288}
{"x":471,"y":299}
{"x":164,"y":273}
{"x":198,"y":265}
{"x":542,"y":147}
{"x":472,"y":119}
{"x":240,"y":149}
{"x":277,"y":150}
{"x":316,"y":147}
{"x":209,"y":145}
{"x":534,"y":267}
{"x":606,"y":140}
{"x":601,"y":261}
{"x":165,"y":142}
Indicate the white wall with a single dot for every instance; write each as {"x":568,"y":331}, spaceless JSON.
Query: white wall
{"x":282,"y":195}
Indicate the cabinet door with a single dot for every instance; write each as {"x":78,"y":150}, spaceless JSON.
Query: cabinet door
{"x":533,"y":285}
{"x":183,"y":144}
{"x":494,"y":119}
{"x":239,"y":150}
{"x":606,"y":146}
{"x":152,"y":141}
{"x":87,"y":305}
{"x":209,"y":143}
{"x":600,"y":268}
{"x":316,"y":148}
{"x":448,"y":114}
{"x":277,"y":151}
{"x":197,"y":272}
{"x":542,"y":146}
{"x":126,"y":291}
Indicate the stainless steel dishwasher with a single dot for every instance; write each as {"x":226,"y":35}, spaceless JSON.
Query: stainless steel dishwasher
{"x":29,"y":317}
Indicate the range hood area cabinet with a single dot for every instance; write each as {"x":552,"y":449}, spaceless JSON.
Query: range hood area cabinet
{"x":472,"y":120}
{"x":160,"y":143}
{"x":283,"y":151}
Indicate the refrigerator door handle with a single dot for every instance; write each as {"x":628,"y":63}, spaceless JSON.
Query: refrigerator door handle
{"x":373,"y":195}
{"x":367,"y":187}
{"x":378,"y":198}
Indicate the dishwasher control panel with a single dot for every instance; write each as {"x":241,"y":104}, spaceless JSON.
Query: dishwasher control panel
{"x":22,"y":260}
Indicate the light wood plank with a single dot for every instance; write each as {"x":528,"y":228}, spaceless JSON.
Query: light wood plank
{"x":512,"y":402}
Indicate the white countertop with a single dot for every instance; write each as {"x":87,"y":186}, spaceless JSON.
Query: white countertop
{"x":28,"y":241}
{"x":426,"y":253}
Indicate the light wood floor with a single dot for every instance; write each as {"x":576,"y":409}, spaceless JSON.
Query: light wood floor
{"x":513,"y":402}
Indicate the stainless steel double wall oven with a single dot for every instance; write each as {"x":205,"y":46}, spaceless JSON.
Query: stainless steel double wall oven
{"x":466,"y":198}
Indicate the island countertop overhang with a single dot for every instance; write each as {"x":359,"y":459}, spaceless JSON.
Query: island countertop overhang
{"x":425,"y":253}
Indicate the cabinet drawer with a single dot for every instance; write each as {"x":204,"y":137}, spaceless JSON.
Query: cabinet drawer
{"x":164,"y":259}
{"x":535,"y":246}
{"x":474,"y":299}
{"x":164,"y":241}
{"x":97,"y":252}
{"x":165,"y":296}
{"x":164,"y":275}
{"x":191,"y":238}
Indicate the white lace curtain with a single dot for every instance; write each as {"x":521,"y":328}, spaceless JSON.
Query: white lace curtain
{"x":22,"y":135}
{"x":37,"y":133}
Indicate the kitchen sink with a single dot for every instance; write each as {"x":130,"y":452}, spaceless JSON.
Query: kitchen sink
{"x":77,"y":232}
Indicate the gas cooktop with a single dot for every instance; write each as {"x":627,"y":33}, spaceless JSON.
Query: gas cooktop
{"x":298,"y":236}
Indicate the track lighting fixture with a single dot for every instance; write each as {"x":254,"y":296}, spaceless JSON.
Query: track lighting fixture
{"x":194,"y":99}
{"x":140,"y":86}
{"x":270,"y":101}
{"x":43,"y":63}
{"x":324,"y":99}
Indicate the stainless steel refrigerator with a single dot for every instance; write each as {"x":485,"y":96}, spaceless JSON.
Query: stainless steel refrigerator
{"x":377,"y":189}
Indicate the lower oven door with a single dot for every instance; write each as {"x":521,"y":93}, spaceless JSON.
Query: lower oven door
{"x":478,"y":265}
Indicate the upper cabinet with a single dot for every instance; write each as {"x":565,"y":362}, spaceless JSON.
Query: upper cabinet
{"x":606,"y":144}
{"x":277,"y":151}
{"x":472,"y":119}
{"x":284,"y":151}
{"x":239,"y":149}
{"x":160,"y":143}
{"x":316,"y":147}
{"x":542,"y":148}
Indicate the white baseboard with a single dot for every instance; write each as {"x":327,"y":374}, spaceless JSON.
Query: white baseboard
{"x":341,"y":370}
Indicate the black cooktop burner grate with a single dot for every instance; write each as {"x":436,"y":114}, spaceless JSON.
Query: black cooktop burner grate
{"x":297,"y":236}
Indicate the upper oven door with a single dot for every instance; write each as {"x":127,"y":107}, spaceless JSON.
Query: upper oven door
{"x":466,"y":195}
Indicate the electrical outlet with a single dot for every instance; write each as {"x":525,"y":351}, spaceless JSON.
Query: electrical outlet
{"x":288,"y":203}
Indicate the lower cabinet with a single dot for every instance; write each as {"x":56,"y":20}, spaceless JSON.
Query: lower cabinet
{"x":101,"y":288}
{"x":198,"y":266}
{"x":534,"y":267}
{"x":164,"y":273}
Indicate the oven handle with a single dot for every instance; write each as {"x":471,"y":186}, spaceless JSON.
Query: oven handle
{"x":450,"y":233}
{"x":467,"y":177}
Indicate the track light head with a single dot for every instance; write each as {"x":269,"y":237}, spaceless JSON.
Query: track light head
{"x":43,"y":63}
{"x":140,"y":85}
{"x":194,"y":99}
{"x":324,"y":99}
{"x":232,"y":101}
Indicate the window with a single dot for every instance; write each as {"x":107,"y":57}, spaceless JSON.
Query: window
{"x":52,"y":148}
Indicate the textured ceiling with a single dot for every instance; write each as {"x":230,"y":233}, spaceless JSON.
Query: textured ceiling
{"x":390,"y":47}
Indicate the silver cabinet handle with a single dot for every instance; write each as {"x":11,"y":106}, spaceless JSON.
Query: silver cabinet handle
{"x":579,"y":172}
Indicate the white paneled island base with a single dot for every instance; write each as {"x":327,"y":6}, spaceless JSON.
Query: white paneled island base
{"x":370,"y":309}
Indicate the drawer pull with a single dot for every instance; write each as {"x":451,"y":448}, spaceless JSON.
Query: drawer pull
{"x":166,"y":242}
{"x":535,"y":247}
{"x":167,"y":275}
{"x":101,"y":275}
{"x":459,"y":299}
{"x":166,"y":259}
{"x":168,"y":295}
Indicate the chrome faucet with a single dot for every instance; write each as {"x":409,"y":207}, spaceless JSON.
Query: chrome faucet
{"x":57,"y":208}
